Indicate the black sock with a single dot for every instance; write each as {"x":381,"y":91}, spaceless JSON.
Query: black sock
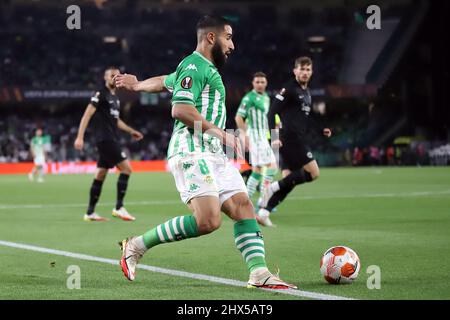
{"x":295,"y":178}
{"x":278,"y":197}
{"x":122,"y":184}
{"x":96,"y":189}
{"x":287,"y":185}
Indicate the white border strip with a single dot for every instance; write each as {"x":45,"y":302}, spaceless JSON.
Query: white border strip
{"x":230,"y":282}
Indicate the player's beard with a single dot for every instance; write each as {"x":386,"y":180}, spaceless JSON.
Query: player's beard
{"x":218,"y":56}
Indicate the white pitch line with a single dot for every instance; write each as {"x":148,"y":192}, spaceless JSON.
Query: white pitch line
{"x":373,"y":195}
{"x":176,"y":202}
{"x":196,"y":276}
{"x":82,"y":205}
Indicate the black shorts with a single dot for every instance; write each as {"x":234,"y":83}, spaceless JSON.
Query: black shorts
{"x":110,"y":154}
{"x":295,"y":155}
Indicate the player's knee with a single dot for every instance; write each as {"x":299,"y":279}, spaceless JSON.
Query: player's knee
{"x":315,"y":175}
{"x":101,"y":175}
{"x":127,"y":171}
{"x":245,"y":204}
{"x":208,"y":225}
{"x":244,"y":209}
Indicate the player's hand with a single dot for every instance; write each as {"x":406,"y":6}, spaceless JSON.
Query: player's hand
{"x":126,"y":81}
{"x":235,"y":143}
{"x":327,"y":132}
{"x":79,"y":144}
{"x":244,"y":140}
{"x":277,"y":144}
{"x":137,"y":135}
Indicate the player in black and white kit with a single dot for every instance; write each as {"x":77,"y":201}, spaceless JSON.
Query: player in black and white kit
{"x":294,"y":106}
{"x":104,"y":109}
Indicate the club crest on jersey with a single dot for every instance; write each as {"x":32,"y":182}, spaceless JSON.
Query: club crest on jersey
{"x":186,"y":83}
{"x":209,"y":180}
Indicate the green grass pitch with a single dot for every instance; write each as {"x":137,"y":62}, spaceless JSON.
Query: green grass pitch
{"x":395,"y":218}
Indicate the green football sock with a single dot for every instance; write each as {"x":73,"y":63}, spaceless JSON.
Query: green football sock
{"x":176,"y":229}
{"x":249,"y":241}
{"x":252,"y":183}
{"x":269,"y":173}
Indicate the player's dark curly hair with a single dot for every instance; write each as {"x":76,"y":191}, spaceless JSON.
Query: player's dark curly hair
{"x":212,"y":21}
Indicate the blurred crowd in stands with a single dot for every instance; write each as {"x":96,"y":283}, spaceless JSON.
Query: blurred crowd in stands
{"x":16,"y":133}
{"x":152,"y":40}
{"x":38,"y":51}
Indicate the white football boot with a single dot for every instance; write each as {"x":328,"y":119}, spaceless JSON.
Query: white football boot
{"x":93,"y":217}
{"x":263,"y":278}
{"x":266,"y":193}
{"x":123,"y":214}
{"x":131,"y":254}
{"x":263,"y":218}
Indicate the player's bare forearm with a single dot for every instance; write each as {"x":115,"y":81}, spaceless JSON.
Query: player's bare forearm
{"x":187,"y":114}
{"x":240,"y":123}
{"x":124,"y":127}
{"x":152,"y":85}
{"x":79,"y":141}
{"x":90,"y":110}
{"x":130,"y":82}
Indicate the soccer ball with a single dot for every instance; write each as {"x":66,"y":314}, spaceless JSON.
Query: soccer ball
{"x":340,"y":265}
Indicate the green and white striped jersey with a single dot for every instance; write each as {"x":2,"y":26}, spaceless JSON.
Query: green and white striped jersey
{"x":197,"y":82}
{"x":38,"y":145}
{"x":254,"y":108}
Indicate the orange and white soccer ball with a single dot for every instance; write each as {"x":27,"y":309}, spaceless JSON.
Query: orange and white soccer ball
{"x":340,"y":265}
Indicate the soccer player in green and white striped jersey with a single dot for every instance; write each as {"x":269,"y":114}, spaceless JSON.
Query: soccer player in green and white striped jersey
{"x":37,"y":150}
{"x":251,"y":119}
{"x":206,"y":180}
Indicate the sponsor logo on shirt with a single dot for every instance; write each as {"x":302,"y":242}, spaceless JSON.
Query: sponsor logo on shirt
{"x":185,"y":94}
{"x":306,"y":109}
{"x":114,"y":112}
{"x":193,"y":187}
{"x":191,"y":67}
{"x":280,"y":96}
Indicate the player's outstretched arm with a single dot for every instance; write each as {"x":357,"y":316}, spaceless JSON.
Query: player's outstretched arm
{"x":131,"y":83}
{"x":88,"y":113}
{"x":134,"y":133}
